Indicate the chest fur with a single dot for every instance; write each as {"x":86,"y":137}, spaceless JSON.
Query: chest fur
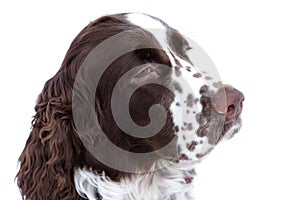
{"x":168,"y":183}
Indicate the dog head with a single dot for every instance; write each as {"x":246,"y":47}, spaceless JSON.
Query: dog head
{"x":130,"y":93}
{"x":153,"y":102}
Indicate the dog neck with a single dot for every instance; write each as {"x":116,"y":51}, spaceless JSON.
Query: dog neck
{"x":174,"y":181}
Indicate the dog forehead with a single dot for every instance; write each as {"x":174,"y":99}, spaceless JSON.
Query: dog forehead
{"x":153,"y":25}
{"x":145,"y":21}
{"x":195,"y":71}
{"x":187,"y":77}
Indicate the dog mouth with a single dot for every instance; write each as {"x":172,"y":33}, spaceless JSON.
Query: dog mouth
{"x":231,"y":127}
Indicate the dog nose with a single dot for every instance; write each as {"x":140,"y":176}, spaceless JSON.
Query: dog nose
{"x":234,"y":99}
{"x":229,"y":101}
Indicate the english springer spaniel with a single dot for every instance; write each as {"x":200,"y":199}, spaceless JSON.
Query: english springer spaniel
{"x":128,"y":115}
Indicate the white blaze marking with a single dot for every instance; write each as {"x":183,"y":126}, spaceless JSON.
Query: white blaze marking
{"x":151,"y":25}
{"x":144,"y":21}
{"x":190,"y":85}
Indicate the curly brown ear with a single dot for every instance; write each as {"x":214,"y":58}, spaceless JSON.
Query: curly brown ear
{"x":50,"y":153}
{"x":53,"y":148}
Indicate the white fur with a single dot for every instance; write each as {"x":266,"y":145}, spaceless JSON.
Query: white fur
{"x":231,"y":132}
{"x":165,"y":184}
{"x":150,"y":24}
{"x":190,"y":85}
{"x":145,"y":21}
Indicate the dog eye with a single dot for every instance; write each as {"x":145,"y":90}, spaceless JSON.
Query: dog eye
{"x":149,"y":72}
{"x":144,"y":72}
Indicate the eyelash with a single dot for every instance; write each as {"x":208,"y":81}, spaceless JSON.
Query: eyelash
{"x":144,"y":72}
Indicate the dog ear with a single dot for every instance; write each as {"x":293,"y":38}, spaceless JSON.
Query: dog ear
{"x":53,"y":148}
{"x":47,"y":161}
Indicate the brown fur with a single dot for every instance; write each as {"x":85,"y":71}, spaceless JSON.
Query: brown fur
{"x":53,"y":149}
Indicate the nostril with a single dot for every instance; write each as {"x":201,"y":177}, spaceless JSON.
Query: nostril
{"x":228,"y":101}
{"x":230,"y":112}
{"x":230,"y":109}
{"x":234,"y":109}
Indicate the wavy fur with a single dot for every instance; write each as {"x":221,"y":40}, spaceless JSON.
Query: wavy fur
{"x":53,"y":149}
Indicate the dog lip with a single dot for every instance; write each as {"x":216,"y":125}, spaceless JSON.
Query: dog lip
{"x":230,"y":123}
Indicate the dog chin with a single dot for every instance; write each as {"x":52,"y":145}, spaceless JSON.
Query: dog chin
{"x":231,"y":128}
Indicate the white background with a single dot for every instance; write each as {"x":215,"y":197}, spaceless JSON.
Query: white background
{"x":254,"y":44}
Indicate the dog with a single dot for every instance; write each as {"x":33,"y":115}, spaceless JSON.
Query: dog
{"x":128,"y":116}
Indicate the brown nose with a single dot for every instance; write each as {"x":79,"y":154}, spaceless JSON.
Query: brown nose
{"x":229,"y":101}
